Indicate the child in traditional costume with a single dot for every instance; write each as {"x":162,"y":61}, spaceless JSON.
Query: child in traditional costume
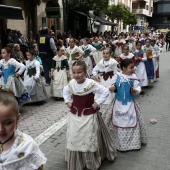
{"x":18,"y":151}
{"x":149,"y":62}
{"x":126,"y":54}
{"x":88,"y":50}
{"x":33,"y":80}
{"x":140,"y":71}
{"x":156,"y":55}
{"x":103,"y":73}
{"x":118,"y":43}
{"x":73,"y":53}
{"x":131,"y":43}
{"x":98,"y":55}
{"x":59,"y":73}
{"x":128,"y":125}
{"x":88,"y":140}
{"x":10,"y":76}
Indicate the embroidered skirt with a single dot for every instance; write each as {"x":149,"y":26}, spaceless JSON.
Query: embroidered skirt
{"x":104,"y":148}
{"x":130,"y":138}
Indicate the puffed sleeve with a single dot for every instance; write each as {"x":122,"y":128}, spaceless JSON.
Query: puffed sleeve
{"x":104,"y":92}
{"x":67,"y":95}
{"x":37,"y":75}
{"x":137,"y":86}
{"x":19,"y":66}
{"x":144,"y":57}
{"x":95,"y":70}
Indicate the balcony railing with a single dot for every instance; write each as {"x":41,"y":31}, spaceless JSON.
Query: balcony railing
{"x":141,"y":12}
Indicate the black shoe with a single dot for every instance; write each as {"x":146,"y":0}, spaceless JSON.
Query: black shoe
{"x":142,"y":93}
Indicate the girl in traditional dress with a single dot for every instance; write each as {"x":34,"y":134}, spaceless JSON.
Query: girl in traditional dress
{"x":10,"y":76}
{"x":18,"y":150}
{"x":59,"y":73}
{"x":140,"y":72}
{"x":149,"y":62}
{"x":128,"y":125}
{"x":88,"y":141}
{"x":73,"y":53}
{"x":118,"y":43}
{"x":126,"y":54}
{"x":33,"y":80}
{"x":156,"y":55}
{"x":131,"y":43}
{"x":98,"y":55}
{"x":88,"y":50}
{"x":103,"y":73}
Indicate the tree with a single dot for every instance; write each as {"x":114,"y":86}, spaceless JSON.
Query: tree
{"x":87,"y":5}
{"x":121,"y":13}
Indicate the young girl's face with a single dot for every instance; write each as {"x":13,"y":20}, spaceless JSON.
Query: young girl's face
{"x":36,"y":49}
{"x":61,"y":52}
{"x":29,"y":56}
{"x":71,"y":43}
{"x":8,"y":121}
{"x":126,"y":50}
{"x":5,"y":55}
{"x":139,"y":46}
{"x":147,"y":43}
{"x":106,"y":55}
{"x":79,"y":74}
{"x":129,"y":69}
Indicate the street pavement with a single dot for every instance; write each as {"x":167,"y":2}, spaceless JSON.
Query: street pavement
{"x":155,"y":103}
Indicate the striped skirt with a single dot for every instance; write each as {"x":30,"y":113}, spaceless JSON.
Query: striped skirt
{"x":92,"y":160}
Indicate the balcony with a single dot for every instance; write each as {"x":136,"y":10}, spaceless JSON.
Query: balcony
{"x":141,"y":12}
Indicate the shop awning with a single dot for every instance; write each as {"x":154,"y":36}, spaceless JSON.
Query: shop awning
{"x":10,"y":12}
{"x":102,"y":20}
{"x":98,"y":19}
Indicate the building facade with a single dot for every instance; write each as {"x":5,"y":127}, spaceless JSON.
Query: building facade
{"x":33,"y":17}
{"x":161,"y":15}
{"x":143,"y":9}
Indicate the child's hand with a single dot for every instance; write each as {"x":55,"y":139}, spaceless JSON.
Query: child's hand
{"x":36,"y":79}
{"x":96,"y":78}
{"x":95,"y":106}
{"x":112,"y":88}
{"x":133,"y":91}
{"x":17,"y":75}
{"x":140,"y":59}
{"x":69,"y":104}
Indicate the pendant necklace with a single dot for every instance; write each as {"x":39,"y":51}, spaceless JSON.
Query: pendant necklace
{"x":2,"y":143}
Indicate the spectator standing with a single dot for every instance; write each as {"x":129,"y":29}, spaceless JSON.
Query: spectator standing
{"x":47,"y":50}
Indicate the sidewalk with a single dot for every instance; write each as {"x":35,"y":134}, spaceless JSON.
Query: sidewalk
{"x":155,"y":155}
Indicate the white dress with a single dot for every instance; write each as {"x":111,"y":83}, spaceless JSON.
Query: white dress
{"x":72,"y":55}
{"x":140,"y":69}
{"x":88,"y":51}
{"x":84,"y":132}
{"x":36,"y":89}
{"x":118,"y":44}
{"x":101,"y":70}
{"x":9,"y":81}
{"x":59,"y":76}
{"x":23,"y":155}
{"x":129,"y":129}
{"x":156,"y":52}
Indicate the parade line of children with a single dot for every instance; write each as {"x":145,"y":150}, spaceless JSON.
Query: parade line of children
{"x":103,"y":116}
